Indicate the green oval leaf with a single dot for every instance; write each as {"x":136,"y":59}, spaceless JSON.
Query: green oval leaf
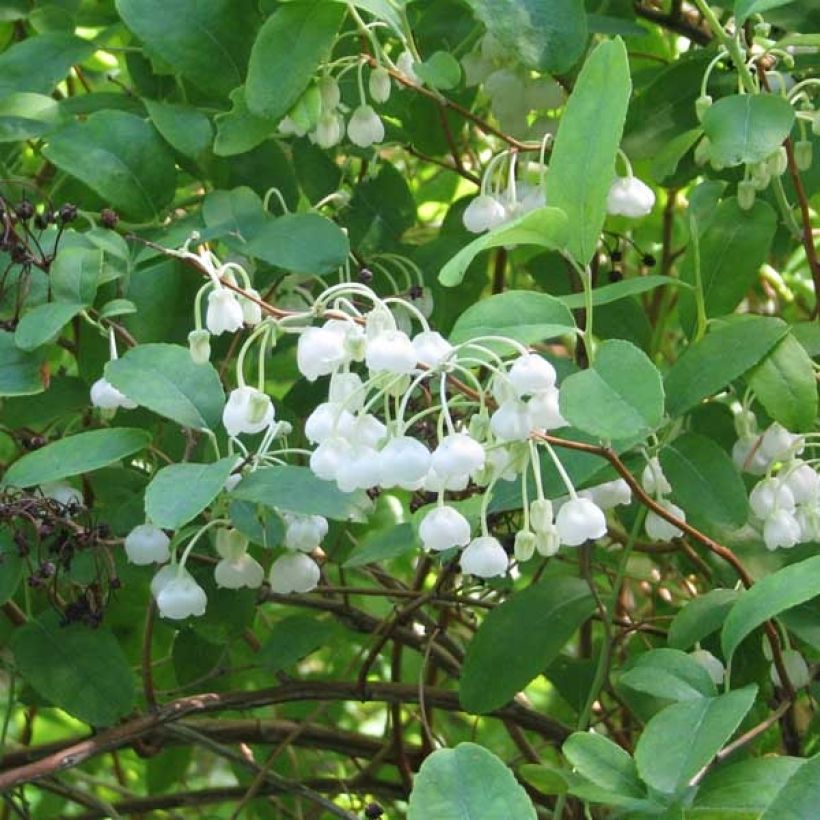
{"x":701,"y":617}
{"x":467,"y":783}
{"x":81,"y":670}
{"x":623,"y":381}
{"x":74,"y":455}
{"x":19,"y":371}
{"x":668,"y":674}
{"x":581,"y":168}
{"x":770,"y":596}
{"x":518,"y":639}
{"x":439,"y":70}
{"x":180,"y":492}
{"x":747,"y":128}
{"x":121,"y":157}
{"x":164,"y":379}
{"x":603,"y":763}
{"x":43,"y":324}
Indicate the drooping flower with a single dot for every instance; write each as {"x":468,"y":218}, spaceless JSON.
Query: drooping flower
{"x":365,"y":127}
{"x":147,"y":544}
{"x":224,"y":314}
{"x":580,"y":520}
{"x":484,"y":557}
{"x":403,"y":462}
{"x":629,"y":196}
{"x":658,"y":528}
{"x":304,"y":532}
{"x":484,"y":213}
{"x":247,"y":410}
{"x":443,"y":528}
{"x":380,"y":84}
{"x":179,"y":596}
{"x":294,"y":572}
{"x":105,"y":396}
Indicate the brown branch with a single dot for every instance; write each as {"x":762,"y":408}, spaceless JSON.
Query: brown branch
{"x":675,"y":22}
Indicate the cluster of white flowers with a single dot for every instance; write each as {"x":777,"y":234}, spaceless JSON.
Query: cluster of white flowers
{"x":785,"y":503}
{"x":657,"y":485}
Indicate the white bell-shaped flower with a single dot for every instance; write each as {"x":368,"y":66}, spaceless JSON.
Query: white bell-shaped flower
{"x":781,"y":530}
{"x":365,"y":127}
{"x":247,"y":410}
{"x":329,"y":130}
{"x":390,"y":352}
{"x":628,"y":196}
{"x":180,"y":596}
{"x":778,"y":443}
{"x":162,"y":577}
{"x":653,"y":479}
{"x":328,"y":457}
{"x":434,"y":483}
{"x":609,"y":494}
{"x":769,"y":495}
{"x":403,"y":462}
{"x":368,"y":431}
{"x":658,"y":528}
{"x":796,"y":668}
{"x":251,"y":310}
{"x":531,"y":373}
{"x":748,"y":457}
{"x":105,"y":396}
{"x":347,"y":389}
{"x":458,"y":454}
{"x":499,"y":464}
{"x":511,"y":421}
{"x":238,"y":573}
{"x":294,"y":572}
{"x":328,"y":419}
{"x":443,"y":528}
{"x":431,"y":348}
{"x":147,"y":544}
{"x":224,"y":314}
{"x":304,"y":532}
{"x":199,"y":345}
{"x":710,"y":663}
{"x":484,"y":213}
{"x":803,"y":482}
{"x":544,"y":410}
{"x":484,"y":557}
{"x":580,"y":520}
{"x":379,"y":85}
{"x":360,"y":471}
{"x":321,"y":350}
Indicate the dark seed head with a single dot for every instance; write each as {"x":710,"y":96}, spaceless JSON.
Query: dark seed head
{"x":615,"y":276}
{"x":616,"y":256}
{"x":24,"y":210}
{"x":109,"y":218}
{"x":365,"y":276}
{"x":68,"y":213}
{"x":649,"y":260}
{"x":373,"y":811}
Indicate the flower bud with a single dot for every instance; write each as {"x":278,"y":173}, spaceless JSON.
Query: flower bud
{"x":547,"y":542}
{"x":702,"y":104}
{"x":329,"y":92}
{"x":803,"y":155}
{"x":199,"y":345}
{"x":328,"y":131}
{"x":380,"y":84}
{"x":746,"y":194}
{"x":815,"y":123}
{"x":484,"y":557}
{"x":653,"y":479}
{"x":147,"y":544}
{"x":580,"y":520}
{"x":761,"y":176}
{"x":710,"y":663}
{"x":524,"y":546}
{"x":541,"y":515}
{"x":251,"y":311}
{"x":796,"y":668}
{"x":443,"y":528}
{"x":405,"y":63}
{"x":778,"y":161}
{"x":224,"y":314}
{"x":365,"y":127}
{"x":294,"y":572}
{"x":629,"y":196}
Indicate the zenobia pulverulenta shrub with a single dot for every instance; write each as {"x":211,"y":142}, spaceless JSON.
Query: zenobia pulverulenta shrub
{"x":409,"y":408}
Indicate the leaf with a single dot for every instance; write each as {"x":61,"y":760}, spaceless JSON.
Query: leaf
{"x":19,"y":371}
{"x":185,"y":128}
{"x":668,"y":674}
{"x":180,"y":492}
{"x":121,"y":157}
{"x":519,"y":638}
{"x":300,"y":243}
{"x":544,"y":227}
{"x":195,"y":657}
{"x":744,"y":9}
{"x":546,"y":35}
{"x":82,"y":671}
{"x":117,"y":307}
{"x":238,"y":213}
{"x":701,"y":617}
{"x":604,"y":763}
{"x":726,"y":352}
{"x":705,"y":481}
{"x":785,"y":384}
{"x":467,"y":783}
{"x":782,"y":590}
{"x":732,"y":245}
{"x":37,"y":64}
{"x":43,"y":324}
{"x":518,"y":314}
{"x":238,"y":130}
{"x":76,"y":274}
{"x":294,"y":638}
{"x":607,"y":294}
{"x":619,"y":397}
{"x":297,"y":490}
{"x":207,"y":42}
{"x":747,"y":128}
{"x":164,"y":379}
{"x":440,"y":70}
{"x":699,"y":728}
{"x":799,"y":796}
{"x":382,"y":545}
{"x":73,"y":455}
{"x":26,"y":116}
{"x":581,"y":169}
{"x":290,"y":46}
